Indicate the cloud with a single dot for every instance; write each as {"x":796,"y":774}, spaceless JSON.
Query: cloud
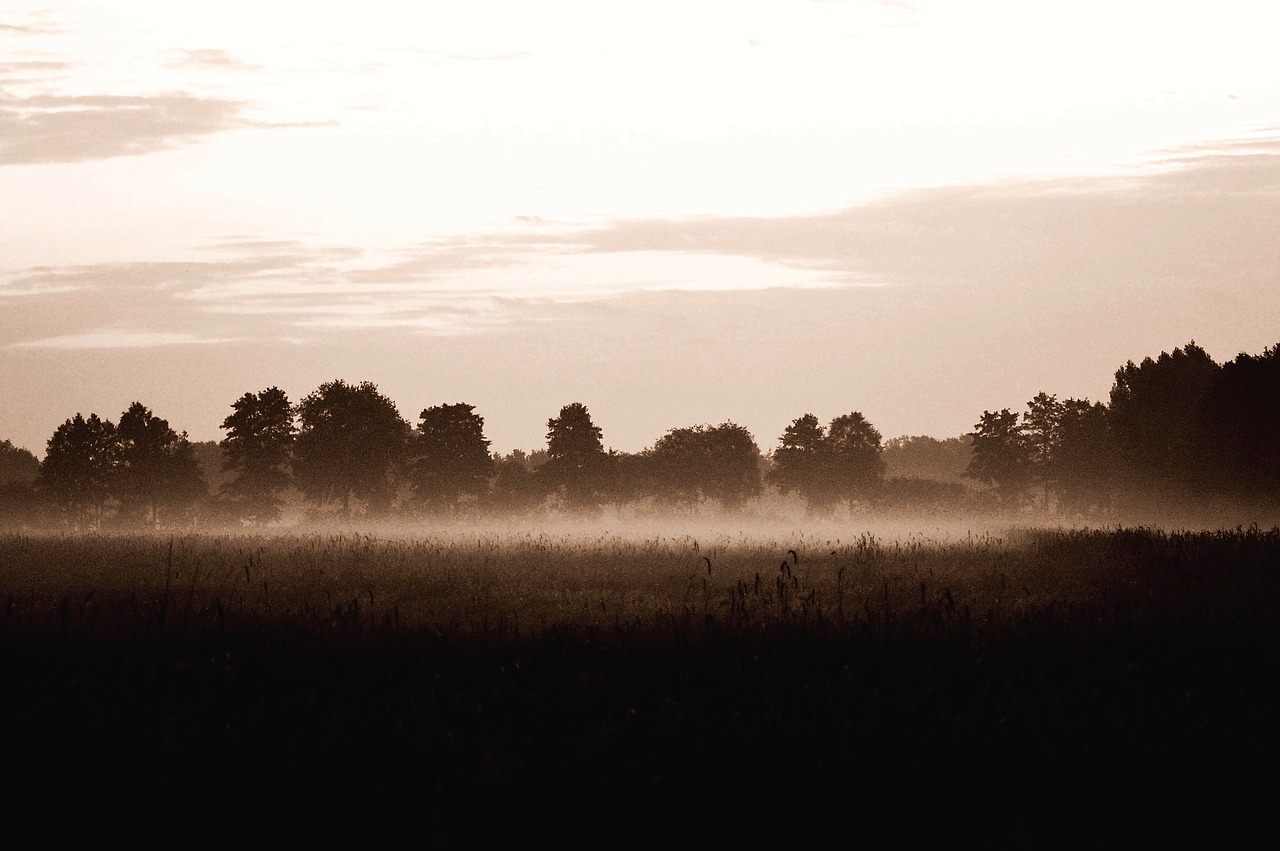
{"x":212,"y":59}
{"x":27,"y":70}
{"x":118,"y":338}
{"x":40,"y":282}
{"x":62,"y":129}
{"x":29,"y":23}
{"x":1192,"y":215}
{"x":1196,"y":228}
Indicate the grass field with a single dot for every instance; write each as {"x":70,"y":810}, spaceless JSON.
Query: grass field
{"x":1029,"y":687}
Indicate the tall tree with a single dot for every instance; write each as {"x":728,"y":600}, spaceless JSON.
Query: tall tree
{"x":855,"y":449}
{"x":1001,"y":456}
{"x":720,"y":463}
{"x":158,"y":470}
{"x":801,"y":463}
{"x":577,"y":460}
{"x":1082,"y":468}
{"x":1041,"y":429}
{"x":80,"y":464}
{"x":1238,"y":428}
{"x":452,"y":456}
{"x":1154,"y":416}
{"x":258,"y":448}
{"x":350,"y":439}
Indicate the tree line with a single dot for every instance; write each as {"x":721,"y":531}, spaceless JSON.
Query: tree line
{"x":1177,"y":427}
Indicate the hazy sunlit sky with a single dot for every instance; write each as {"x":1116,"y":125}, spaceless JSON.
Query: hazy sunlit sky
{"x":673,"y":213}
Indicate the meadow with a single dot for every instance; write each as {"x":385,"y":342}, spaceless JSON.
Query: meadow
{"x":1012,"y":687}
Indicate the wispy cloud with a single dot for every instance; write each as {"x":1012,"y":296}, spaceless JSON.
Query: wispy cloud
{"x":32,"y":70}
{"x":61,"y":128}
{"x":28,"y":23}
{"x":1201,"y":222}
{"x":211,"y":59}
{"x":119,"y":338}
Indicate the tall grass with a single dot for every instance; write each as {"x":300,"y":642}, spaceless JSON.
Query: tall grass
{"x":459,"y":667}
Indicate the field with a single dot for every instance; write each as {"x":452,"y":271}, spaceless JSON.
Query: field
{"x":1031,"y":687}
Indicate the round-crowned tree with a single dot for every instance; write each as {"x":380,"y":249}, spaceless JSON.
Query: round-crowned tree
{"x":350,"y":440}
{"x":452,"y":458}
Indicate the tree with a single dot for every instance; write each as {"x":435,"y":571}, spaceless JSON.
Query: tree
{"x":720,"y":463}
{"x":19,"y":470}
{"x":1041,"y":425}
{"x":452,"y":456}
{"x":17,"y":466}
{"x":257,"y":448}
{"x":923,"y":457}
{"x":1001,"y":456}
{"x":158,"y":469}
{"x":855,"y":449}
{"x":516,"y":485}
{"x":576,"y":454}
{"x":801,"y":464}
{"x":1238,"y":428}
{"x":1083,"y":463}
{"x":350,"y":439}
{"x":1154,"y":414}
{"x":79,"y":467}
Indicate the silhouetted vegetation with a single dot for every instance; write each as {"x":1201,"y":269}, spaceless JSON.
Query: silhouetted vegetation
{"x":350,"y":442}
{"x":451,"y":457}
{"x":525,"y":676}
{"x":258,"y":448}
{"x":1179,"y":433}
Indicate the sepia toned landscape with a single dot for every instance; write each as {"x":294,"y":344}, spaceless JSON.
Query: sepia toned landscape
{"x":850,"y":422}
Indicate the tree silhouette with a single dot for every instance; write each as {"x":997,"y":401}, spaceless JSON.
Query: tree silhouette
{"x":516,"y":485}
{"x":720,"y":463}
{"x":1238,"y":428}
{"x":257,"y":448}
{"x":17,"y":466}
{"x":350,"y":438}
{"x":576,"y":456}
{"x":19,"y":470}
{"x":801,"y":464}
{"x":855,"y":448}
{"x":923,"y":457}
{"x":80,"y":464}
{"x":1154,"y":415}
{"x":1041,"y":430}
{"x":1001,"y":456}
{"x":452,"y":456}
{"x":1082,"y":468}
{"x":158,"y":469}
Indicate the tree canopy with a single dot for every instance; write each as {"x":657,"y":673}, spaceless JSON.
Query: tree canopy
{"x":841,"y":462}
{"x":720,"y":463}
{"x":258,"y":449}
{"x":1001,"y":456}
{"x":350,"y":439}
{"x":451,"y":456}
{"x":158,"y":470}
{"x":576,"y":456}
{"x":80,"y":466}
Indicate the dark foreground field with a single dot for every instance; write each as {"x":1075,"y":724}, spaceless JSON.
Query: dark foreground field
{"x":1100,"y":688}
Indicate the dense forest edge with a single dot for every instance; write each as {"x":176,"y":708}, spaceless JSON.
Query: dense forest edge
{"x":1180,"y":435}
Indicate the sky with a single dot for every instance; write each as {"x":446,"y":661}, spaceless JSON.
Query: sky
{"x":675,"y":213}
